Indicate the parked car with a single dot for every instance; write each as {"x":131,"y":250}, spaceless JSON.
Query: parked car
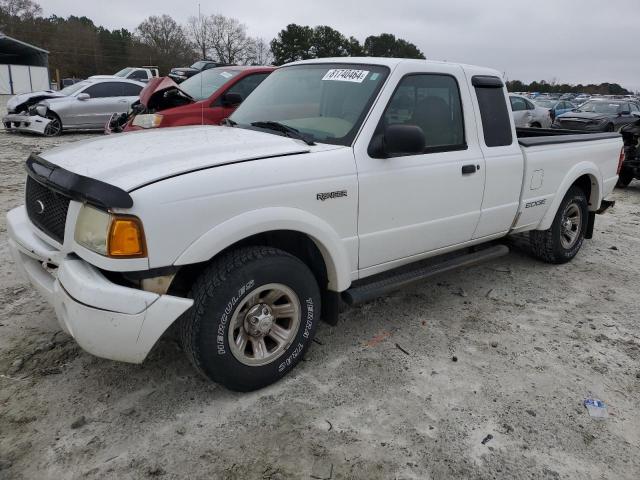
{"x":330,"y":176}
{"x":141,"y":74}
{"x":86,"y":105}
{"x":555,"y":107}
{"x":180,"y":74}
{"x":527,"y":114}
{"x":580,"y":99}
{"x":65,"y":82}
{"x":204,"y":99}
{"x":631,"y":164}
{"x":599,"y":116}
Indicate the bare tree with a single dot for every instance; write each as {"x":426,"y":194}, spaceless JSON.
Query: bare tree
{"x":165,"y":35}
{"x":23,"y":9}
{"x":259,"y":52}
{"x":199,"y":32}
{"x":229,"y":40}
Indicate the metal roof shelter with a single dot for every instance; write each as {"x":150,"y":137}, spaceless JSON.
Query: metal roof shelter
{"x":23,"y":67}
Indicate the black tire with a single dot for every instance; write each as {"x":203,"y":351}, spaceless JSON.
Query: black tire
{"x":536,"y":125}
{"x":551,"y":245}
{"x":221,"y":294}
{"x":610,"y":128}
{"x":624,"y":179}
{"x":54,"y":128}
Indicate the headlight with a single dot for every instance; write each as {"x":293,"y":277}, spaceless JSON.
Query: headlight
{"x":147,"y":120}
{"x":111,"y":235}
{"x":41,"y":110}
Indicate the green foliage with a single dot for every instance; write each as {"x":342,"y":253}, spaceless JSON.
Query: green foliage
{"x":546,"y":87}
{"x":300,"y":42}
{"x":387,"y":45}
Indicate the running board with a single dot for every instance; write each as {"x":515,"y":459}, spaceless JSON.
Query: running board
{"x":376,"y":288}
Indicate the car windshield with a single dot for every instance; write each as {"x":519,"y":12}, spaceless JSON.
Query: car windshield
{"x":198,"y":65}
{"x":600,"y":107}
{"x":203,"y":84}
{"x":124,"y":72}
{"x":71,"y":89}
{"x":325,"y":102}
{"x":546,"y":103}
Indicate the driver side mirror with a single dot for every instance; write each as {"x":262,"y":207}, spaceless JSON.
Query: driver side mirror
{"x":231,"y":99}
{"x":83,"y":96}
{"x":398,"y":140}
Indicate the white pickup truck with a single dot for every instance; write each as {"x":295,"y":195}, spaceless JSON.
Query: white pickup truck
{"x":335,"y":181}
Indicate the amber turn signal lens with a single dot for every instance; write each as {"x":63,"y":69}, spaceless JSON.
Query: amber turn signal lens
{"x":126,"y":238}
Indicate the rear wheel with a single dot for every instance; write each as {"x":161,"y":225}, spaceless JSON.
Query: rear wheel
{"x":536,"y":125}
{"x":561,"y":242}
{"x":610,"y":128}
{"x":255,"y":314}
{"x":54,"y":127}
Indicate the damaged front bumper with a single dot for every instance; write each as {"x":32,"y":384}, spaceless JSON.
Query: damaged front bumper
{"x":23,"y":122}
{"x":106,"y":319}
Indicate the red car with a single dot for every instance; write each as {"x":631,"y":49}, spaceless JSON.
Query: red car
{"x":204,"y":99}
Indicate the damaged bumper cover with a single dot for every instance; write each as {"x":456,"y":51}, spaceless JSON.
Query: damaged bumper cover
{"x":106,"y":319}
{"x":23,"y":122}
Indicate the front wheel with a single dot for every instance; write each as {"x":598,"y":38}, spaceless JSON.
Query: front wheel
{"x":254,"y":316}
{"x":561,"y":242}
{"x":54,"y":127}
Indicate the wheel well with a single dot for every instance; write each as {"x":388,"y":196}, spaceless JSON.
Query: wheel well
{"x":586,"y":183}
{"x":297,"y":244}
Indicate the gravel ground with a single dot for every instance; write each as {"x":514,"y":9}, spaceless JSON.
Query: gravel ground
{"x":480,"y":373}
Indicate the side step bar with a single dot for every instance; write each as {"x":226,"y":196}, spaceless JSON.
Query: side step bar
{"x":369,"y":291}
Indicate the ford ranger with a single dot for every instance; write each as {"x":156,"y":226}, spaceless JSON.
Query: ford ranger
{"x":337,"y":180}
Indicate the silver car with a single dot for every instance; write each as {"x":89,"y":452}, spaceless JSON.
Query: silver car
{"x":86,"y":105}
{"x":527,"y":114}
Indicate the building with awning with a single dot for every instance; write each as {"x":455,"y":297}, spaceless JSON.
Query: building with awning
{"x":23,"y":67}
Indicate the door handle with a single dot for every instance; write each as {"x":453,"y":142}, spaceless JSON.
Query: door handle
{"x":466,"y":169}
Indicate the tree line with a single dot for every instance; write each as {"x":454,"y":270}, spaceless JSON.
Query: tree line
{"x":79,"y":48}
{"x":552,"y":87}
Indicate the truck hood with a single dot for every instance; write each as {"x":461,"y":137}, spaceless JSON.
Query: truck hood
{"x":22,"y":102}
{"x":131,"y":160}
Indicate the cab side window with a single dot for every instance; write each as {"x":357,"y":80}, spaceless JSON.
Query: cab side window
{"x":139,"y":75}
{"x":431,"y":102}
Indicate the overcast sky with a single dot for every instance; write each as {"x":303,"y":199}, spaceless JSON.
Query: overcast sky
{"x":573,"y":41}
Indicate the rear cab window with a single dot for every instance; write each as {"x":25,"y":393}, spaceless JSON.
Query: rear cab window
{"x":494,"y":114}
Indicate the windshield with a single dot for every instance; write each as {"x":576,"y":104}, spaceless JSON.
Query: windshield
{"x":71,"y":89}
{"x":203,"y":84}
{"x":600,"y":107}
{"x":546,"y":103}
{"x":124,"y":72}
{"x":198,"y":65}
{"x":325,"y":102}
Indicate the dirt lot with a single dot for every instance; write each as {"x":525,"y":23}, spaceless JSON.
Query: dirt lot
{"x":406,"y":387}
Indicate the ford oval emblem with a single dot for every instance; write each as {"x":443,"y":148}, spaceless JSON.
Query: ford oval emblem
{"x":39,"y":207}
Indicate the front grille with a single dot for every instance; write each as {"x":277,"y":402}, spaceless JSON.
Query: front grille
{"x":572,"y":124}
{"x":47,"y":209}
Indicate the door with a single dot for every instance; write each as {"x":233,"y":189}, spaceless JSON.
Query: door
{"x":105,"y":99}
{"x":414,"y":204}
{"x":520,"y":111}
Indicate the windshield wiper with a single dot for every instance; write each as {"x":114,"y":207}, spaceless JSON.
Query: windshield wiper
{"x":227,"y":122}
{"x":285,"y":129}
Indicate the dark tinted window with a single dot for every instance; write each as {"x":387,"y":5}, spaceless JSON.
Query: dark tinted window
{"x":131,"y":89}
{"x":138,"y":75}
{"x":104,"y":89}
{"x":431,"y":102}
{"x":245,"y":86}
{"x":496,"y":122}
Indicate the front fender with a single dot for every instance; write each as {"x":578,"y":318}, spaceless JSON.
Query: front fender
{"x":578,"y":170}
{"x":269,"y":219}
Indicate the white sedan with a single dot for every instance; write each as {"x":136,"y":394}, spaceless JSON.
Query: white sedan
{"x":527,"y":114}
